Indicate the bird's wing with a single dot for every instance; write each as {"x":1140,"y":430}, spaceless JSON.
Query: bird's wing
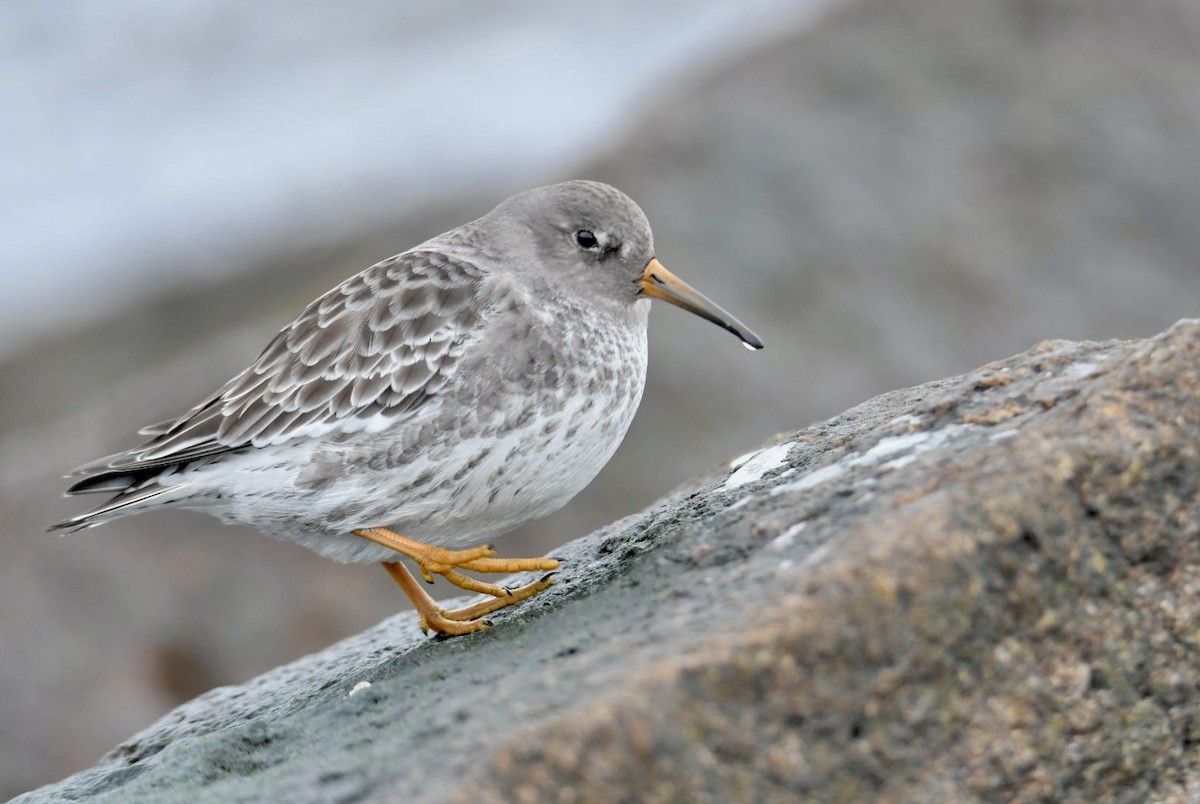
{"x":373,"y":349}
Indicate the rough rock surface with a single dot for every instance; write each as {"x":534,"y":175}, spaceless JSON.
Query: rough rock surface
{"x":983,"y":587}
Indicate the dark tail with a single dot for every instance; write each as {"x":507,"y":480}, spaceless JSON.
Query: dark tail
{"x":126,"y":502}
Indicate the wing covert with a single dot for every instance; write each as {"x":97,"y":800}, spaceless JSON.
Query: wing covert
{"x":374,"y":348}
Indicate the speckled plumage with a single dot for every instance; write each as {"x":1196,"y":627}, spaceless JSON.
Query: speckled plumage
{"x":450,"y":393}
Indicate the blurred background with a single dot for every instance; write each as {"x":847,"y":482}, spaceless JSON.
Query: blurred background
{"x":888,"y":191}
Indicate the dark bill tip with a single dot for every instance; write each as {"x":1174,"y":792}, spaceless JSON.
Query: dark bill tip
{"x":659,"y":283}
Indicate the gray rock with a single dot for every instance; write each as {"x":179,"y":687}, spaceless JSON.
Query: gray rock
{"x":982,"y":587}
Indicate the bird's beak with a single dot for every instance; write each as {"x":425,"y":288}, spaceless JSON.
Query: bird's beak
{"x":659,"y":283}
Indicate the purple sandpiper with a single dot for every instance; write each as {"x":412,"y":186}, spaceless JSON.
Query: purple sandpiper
{"x":451,"y":392}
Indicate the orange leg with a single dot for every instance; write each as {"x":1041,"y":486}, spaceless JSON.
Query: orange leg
{"x":433,"y":560}
{"x":459,"y":621}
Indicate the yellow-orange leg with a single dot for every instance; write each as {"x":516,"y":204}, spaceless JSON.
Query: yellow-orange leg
{"x":459,"y":621}
{"x":438,"y":561}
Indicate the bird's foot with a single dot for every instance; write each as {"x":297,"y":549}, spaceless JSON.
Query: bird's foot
{"x":458,"y":622}
{"x":432,"y":560}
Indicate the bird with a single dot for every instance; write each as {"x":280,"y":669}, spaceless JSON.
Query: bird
{"x":431,"y":403}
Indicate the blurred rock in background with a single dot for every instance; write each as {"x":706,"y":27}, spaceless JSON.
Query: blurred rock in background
{"x":889,"y":192}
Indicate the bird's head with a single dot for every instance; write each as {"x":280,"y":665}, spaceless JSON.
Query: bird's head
{"x":592,"y":238}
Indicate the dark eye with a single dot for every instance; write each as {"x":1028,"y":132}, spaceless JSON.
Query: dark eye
{"x":586,"y":239}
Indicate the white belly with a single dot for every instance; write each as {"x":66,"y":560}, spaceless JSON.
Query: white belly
{"x":529,"y":473}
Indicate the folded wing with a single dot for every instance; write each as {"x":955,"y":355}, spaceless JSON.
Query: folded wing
{"x":374,"y":349}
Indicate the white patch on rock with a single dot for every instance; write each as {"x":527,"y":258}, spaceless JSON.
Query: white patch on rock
{"x":814,"y":478}
{"x":912,"y":445}
{"x":892,"y":444}
{"x":786,"y":539}
{"x":750,"y":468}
{"x":917,"y":442}
{"x":357,"y":688}
{"x":901,"y":462}
{"x":1077,"y":371}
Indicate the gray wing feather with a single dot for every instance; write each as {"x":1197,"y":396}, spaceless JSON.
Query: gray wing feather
{"x":382,"y":343}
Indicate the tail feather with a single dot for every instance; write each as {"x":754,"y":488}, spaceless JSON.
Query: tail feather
{"x":158,"y":428}
{"x":126,"y":502}
{"x":103,"y":484}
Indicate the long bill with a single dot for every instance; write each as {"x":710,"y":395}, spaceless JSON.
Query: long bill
{"x":659,"y":283}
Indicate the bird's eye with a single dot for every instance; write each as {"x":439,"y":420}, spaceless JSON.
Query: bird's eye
{"x":586,"y":239}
